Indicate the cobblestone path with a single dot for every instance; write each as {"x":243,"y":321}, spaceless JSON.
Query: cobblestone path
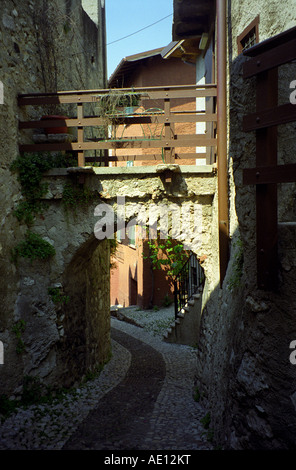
{"x":121,"y":419}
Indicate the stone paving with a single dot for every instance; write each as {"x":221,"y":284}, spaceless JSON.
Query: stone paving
{"x":142,"y":400}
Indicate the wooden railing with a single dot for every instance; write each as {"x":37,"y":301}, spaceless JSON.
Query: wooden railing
{"x":188,"y":282}
{"x":162,"y":127}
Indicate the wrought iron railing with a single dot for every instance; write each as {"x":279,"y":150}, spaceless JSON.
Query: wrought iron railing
{"x":187,"y":283}
{"x":164,"y":125}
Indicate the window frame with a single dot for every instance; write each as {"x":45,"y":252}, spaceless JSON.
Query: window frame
{"x":253,"y":25}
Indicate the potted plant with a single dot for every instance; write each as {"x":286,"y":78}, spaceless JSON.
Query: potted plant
{"x":55,"y":130}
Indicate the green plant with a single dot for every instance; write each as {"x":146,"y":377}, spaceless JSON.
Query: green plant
{"x":238,"y":264}
{"x":196,"y":394}
{"x":167,"y":301}
{"x":57,"y":295}
{"x":113,"y":244}
{"x":108,"y":104}
{"x":7,"y":407}
{"x":167,"y":254}
{"x":74,"y":195}
{"x":33,"y":247}
{"x":32,"y":390}
{"x":205,"y":421}
{"x":18,"y":328}
{"x":31,"y":168}
{"x":108,"y":109}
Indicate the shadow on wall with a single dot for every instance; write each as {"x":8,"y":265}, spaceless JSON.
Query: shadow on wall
{"x":86,"y":342}
{"x":243,"y":368}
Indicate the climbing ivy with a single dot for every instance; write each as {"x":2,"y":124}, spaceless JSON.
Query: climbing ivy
{"x":57,"y":295}
{"x":74,"y":195}
{"x":33,"y":247}
{"x":238,"y":265}
{"x":168,"y":254}
{"x":30,"y":168}
{"x":18,"y":328}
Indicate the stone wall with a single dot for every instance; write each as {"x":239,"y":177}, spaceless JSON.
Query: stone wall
{"x":243,"y":368}
{"x":45,"y":46}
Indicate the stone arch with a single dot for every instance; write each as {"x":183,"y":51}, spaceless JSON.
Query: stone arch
{"x":66,"y":340}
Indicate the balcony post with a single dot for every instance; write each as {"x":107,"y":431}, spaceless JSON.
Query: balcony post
{"x":80,"y":135}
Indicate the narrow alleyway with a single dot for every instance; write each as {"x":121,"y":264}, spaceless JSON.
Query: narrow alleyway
{"x":143,"y":400}
{"x":124,"y":413}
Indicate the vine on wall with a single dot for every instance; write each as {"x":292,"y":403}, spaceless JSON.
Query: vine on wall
{"x":30,"y":169}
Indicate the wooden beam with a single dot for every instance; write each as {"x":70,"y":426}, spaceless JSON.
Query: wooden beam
{"x":93,"y":96}
{"x":270,"y":174}
{"x":146,"y":157}
{"x":266,"y":194}
{"x":80,"y":135}
{"x":270,"y":117}
{"x":85,"y":122}
{"x":198,"y":141}
{"x":270,"y":59}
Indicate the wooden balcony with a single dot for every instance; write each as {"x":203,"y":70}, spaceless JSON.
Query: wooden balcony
{"x":111,"y":127}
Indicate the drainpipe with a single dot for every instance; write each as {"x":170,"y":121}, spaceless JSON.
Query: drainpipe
{"x":104,"y":46}
{"x":222,"y":139}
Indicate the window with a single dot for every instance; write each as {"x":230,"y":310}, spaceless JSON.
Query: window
{"x":249,"y":37}
{"x":120,"y":235}
{"x":132,"y":235}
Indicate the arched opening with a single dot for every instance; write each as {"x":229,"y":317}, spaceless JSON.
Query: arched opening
{"x":143,"y":269}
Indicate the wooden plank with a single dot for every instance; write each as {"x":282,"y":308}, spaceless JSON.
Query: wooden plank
{"x":266,"y":194}
{"x":196,"y":141}
{"x":207,"y":117}
{"x":146,"y":157}
{"x":169,"y":157}
{"x":85,"y":122}
{"x":52,"y":147}
{"x":80,"y":135}
{"x":92,"y":97}
{"x":100,"y":91}
{"x":189,"y":156}
{"x":270,"y":59}
{"x":172,"y":94}
{"x":58,"y":99}
{"x":97,"y":121}
{"x":270,"y":43}
{"x":270,"y":117}
{"x":270,"y":174}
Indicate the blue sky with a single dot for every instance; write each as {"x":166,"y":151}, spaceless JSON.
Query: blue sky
{"x":125,"y":17}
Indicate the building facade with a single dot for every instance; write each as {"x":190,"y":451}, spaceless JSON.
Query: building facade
{"x":46,"y":46}
{"x":244,"y":371}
